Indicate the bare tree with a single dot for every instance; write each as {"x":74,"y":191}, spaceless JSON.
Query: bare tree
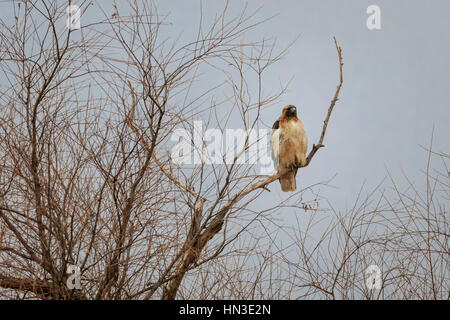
{"x":87,"y":175}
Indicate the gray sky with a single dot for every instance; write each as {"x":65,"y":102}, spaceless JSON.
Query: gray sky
{"x":395,"y":83}
{"x":395,"y":80}
{"x":395,"y":91}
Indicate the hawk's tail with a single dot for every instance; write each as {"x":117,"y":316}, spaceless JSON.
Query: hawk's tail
{"x":287,"y":181}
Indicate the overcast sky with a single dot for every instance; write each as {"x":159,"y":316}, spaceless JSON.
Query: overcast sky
{"x":395,"y":91}
{"x":396,"y":81}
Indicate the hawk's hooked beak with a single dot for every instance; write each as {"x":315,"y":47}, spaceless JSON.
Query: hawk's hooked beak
{"x":291,"y":111}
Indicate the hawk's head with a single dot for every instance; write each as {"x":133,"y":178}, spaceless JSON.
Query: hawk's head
{"x":289,"y":111}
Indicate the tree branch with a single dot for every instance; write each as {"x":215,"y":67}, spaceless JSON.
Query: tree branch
{"x":330,"y":108}
{"x":38,"y":287}
{"x":214,"y":227}
{"x":268,"y":180}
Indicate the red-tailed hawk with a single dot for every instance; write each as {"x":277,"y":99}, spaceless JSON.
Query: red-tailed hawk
{"x":289,"y":145}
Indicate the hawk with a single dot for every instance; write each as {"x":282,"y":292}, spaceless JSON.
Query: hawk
{"x":289,"y":145}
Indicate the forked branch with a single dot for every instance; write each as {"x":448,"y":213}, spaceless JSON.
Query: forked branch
{"x":214,"y":227}
{"x":198,"y":240}
{"x":265,"y":182}
{"x":330,"y":108}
